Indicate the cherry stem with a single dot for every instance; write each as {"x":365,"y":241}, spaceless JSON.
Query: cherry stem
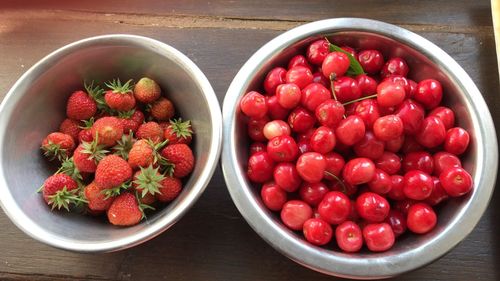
{"x":360,"y":99}
{"x":338,"y":180}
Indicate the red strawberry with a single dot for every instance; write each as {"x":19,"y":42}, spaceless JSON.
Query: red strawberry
{"x":60,"y":190}
{"x":147,"y":90}
{"x":164,"y":124}
{"x":162,"y":109}
{"x":86,"y":156}
{"x":124,"y":210}
{"x":58,"y":145}
{"x":178,"y":132}
{"x":169,"y":190}
{"x":109,"y":129}
{"x":97,"y":200}
{"x":85,"y":135}
{"x":133,"y":121}
{"x":141,"y":154}
{"x":147,"y":182}
{"x":112,"y":171}
{"x":80,"y":106}
{"x":181,"y":156}
{"x":70,"y":127}
{"x":119,"y":97}
{"x":150,"y":130}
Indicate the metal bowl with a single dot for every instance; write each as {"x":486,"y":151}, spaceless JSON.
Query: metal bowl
{"x":456,"y":218}
{"x":35,"y":106}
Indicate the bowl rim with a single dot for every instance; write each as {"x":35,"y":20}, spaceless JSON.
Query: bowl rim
{"x":336,"y":263}
{"x":23,"y":222}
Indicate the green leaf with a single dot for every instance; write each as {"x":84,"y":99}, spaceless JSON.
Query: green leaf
{"x":354,"y":67}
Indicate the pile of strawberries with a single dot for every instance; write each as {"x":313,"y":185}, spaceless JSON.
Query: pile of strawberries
{"x":121,"y":152}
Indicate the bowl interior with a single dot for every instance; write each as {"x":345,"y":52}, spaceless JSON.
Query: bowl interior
{"x":38,"y":107}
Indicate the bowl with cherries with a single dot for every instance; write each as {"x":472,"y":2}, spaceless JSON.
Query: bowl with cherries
{"x":358,"y":148}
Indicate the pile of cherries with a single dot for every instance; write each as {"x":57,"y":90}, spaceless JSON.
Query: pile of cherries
{"x":348,"y":148}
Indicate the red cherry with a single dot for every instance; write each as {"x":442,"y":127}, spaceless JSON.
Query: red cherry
{"x":350,"y":50}
{"x":372,"y":207}
{"x":378,"y":237}
{"x":369,"y":146}
{"x":418,"y":160}
{"x":282,"y":149}
{"x":438,"y":193}
{"x":349,"y":237}
{"x":350,"y":130}
{"x":317,"y":51}
{"x":335,"y":207}
{"x":313,"y":95}
{"x":286,"y":177}
{"x":381,"y":182}
{"x":257,"y":147}
{"x":274,"y":109}
{"x":396,"y":192}
{"x":389,"y":162}
{"x":358,"y":171}
{"x":417,"y":185}
{"x":390,"y":93}
{"x":323,"y":140}
{"x":368,"y":110}
{"x":431,"y":133}
{"x":273,"y":196}
{"x":421,"y":218}
{"x":344,"y":187}
{"x":274,"y":78}
{"x":288,"y":95}
{"x":395,"y":66}
{"x":397,"y":221}
{"x":367,"y":85}
{"x":412,"y":115}
{"x":255,"y":128}
{"x":298,"y":60}
{"x":318,"y":77}
{"x":334,"y":165}
{"x":445,"y":114}
{"x":429,"y":93}
{"x":346,"y":89}
{"x":317,"y":231}
{"x":330,"y":113}
{"x":456,"y":181}
{"x":253,"y":105}
{"x":276,"y":128}
{"x":371,"y":61}
{"x":311,"y":166}
{"x":395,"y":145}
{"x":444,"y":160}
{"x":313,"y":193}
{"x":388,"y":127}
{"x":301,"y":120}
{"x":401,"y":81}
{"x":301,"y":76}
{"x":336,"y":64}
{"x":304,"y":146}
{"x":404,"y":205}
{"x":410,"y":145}
{"x":295,"y":213}
{"x":260,"y":167}
{"x":413,"y":88}
{"x":456,"y":141}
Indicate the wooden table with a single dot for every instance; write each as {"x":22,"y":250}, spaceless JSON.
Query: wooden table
{"x":213,"y":241}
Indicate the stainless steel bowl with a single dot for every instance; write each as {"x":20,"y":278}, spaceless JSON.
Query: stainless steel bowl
{"x":35,"y":106}
{"x":455,"y":220}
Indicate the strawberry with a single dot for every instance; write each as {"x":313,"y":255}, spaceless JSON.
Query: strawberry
{"x":164,"y":125}
{"x":147,"y":90}
{"x":150,"y":130}
{"x":109,"y":129}
{"x":86,"y":134}
{"x":58,"y":145}
{"x":181,"y":156}
{"x":147,"y":182}
{"x":141,"y":154}
{"x":112,"y":171}
{"x":162,"y":109}
{"x":119,"y":97}
{"x":60,"y":190}
{"x":97,"y":200}
{"x":80,"y":106}
{"x":178,"y":132}
{"x":169,"y":190}
{"x":124,"y":145}
{"x":87,"y":155}
{"x":70,"y":127}
{"x":125,"y":210}
{"x":132,"y":120}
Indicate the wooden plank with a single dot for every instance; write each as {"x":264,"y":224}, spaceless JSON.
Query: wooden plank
{"x":213,"y":241}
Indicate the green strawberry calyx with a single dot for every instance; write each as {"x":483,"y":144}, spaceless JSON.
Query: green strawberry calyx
{"x":64,"y":198}
{"x":95,"y":150}
{"x":117,"y":87}
{"x":53,"y":150}
{"x":149,"y":181}
{"x":124,"y":145}
{"x":181,"y":129}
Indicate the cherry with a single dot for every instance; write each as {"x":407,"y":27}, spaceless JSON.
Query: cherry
{"x":372,"y":207}
{"x":304,"y":146}
{"x":418,"y":160}
{"x":456,"y":140}
{"x":369,"y":146}
{"x":255,"y":128}
{"x":417,"y":185}
{"x":288,"y":95}
{"x":411,"y":145}
{"x":389,"y":162}
{"x":313,"y":95}
{"x":274,"y":78}
{"x":397,"y":221}
{"x":335,"y":64}
{"x":344,"y":187}
{"x":276,"y":128}
{"x":349,"y":237}
{"x":318,"y":77}
{"x":368,"y":110}
{"x":412,"y":115}
{"x":381,"y":182}
{"x":404,"y":205}
{"x":329,"y":113}
{"x":444,"y":160}
{"x":311,"y":166}
{"x":305,"y":136}
{"x":395,"y":66}
{"x":286,"y":177}
{"x":317,"y":51}
{"x":335,"y":207}
{"x":253,"y":105}
{"x":282,"y":148}
{"x":388,"y":127}
{"x":301,"y":120}
{"x":371,"y":61}
{"x":274,"y":109}
{"x":350,"y":130}
{"x":396,"y":192}
{"x":298,"y":60}
{"x":358,"y":171}
{"x":438,"y":193}
{"x":390,"y":93}
{"x":350,"y":50}
{"x":378,"y":237}
{"x":346,"y":89}
{"x":395,"y":145}
{"x":456,"y":181}
{"x":295,"y":213}
{"x":445,"y":114}
{"x":367,"y":85}
{"x":401,"y":81}
{"x":413,"y":88}
{"x":431,"y":133}
{"x":273,"y":196}
{"x":323,"y":140}
{"x":317,"y":231}
{"x":257,"y":147}
{"x":421,"y":218}
{"x":301,"y":76}
{"x":313,"y":193}
{"x":260,"y":167}
{"x":334,"y":165}
{"x":429,"y":93}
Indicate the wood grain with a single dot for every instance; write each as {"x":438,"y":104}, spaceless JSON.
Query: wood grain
{"x":213,"y":241}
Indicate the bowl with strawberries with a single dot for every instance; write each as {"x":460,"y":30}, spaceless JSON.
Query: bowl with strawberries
{"x":358,"y":148}
{"x":128,"y":139}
